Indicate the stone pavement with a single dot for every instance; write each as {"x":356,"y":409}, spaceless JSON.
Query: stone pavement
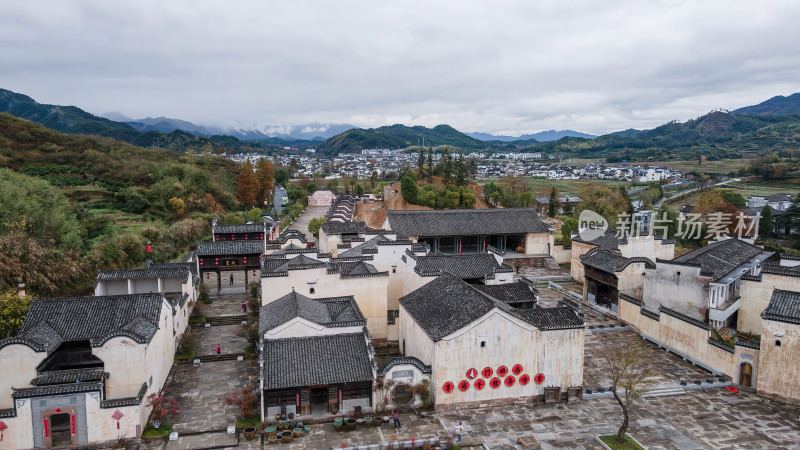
{"x":301,"y":223}
{"x":225,"y":305}
{"x":227,"y":336}
{"x":712,"y":418}
{"x":671,"y":369}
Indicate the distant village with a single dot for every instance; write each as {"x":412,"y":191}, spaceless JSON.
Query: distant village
{"x":489,"y":165}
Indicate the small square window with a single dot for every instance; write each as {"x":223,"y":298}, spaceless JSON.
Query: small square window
{"x":483,"y":344}
{"x":777,"y":342}
{"x":311,"y":290}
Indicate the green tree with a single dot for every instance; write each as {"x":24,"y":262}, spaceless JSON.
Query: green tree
{"x":552,"y":206}
{"x":452,"y":199}
{"x":604,"y":200}
{"x":315,"y":224}
{"x":567,"y":208}
{"x":467,"y":198}
{"x":461,"y":171}
{"x":765,"y":223}
{"x":790,"y":219}
{"x":333,"y":185}
{"x":732,"y":197}
{"x":488,"y":192}
{"x":427,"y":198}
{"x":446,"y":163}
{"x":569,"y":226}
{"x":311,"y":188}
{"x":408,"y":187}
{"x":12,"y":313}
{"x":526,"y":198}
{"x":281,"y":176}
{"x":373,"y":179}
{"x":667,"y":221}
{"x":130,"y":199}
{"x":421,"y":163}
{"x":265,"y":174}
{"x":430,"y":161}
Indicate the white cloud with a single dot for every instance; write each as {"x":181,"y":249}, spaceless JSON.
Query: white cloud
{"x":506,"y":66}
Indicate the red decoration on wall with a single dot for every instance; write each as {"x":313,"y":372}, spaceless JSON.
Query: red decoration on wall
{"x":510,"y":380}
{"x":495,"y":383}
{"x":73,"y":429}
{"x":502,"y":371}
{"x":539,"y":378}
{"x":487,"y":372}
{"x":479,"y":384}
{"x":46,"y":427}
{"x":448,"y":387}
{"x":525,"y":379}
{"x":3,"y":426}
{"x":472,"y":373}
{"x":58,"y":410}
{"x":732,"y":389}
{"x":463,"y":385}
{"x":517,"y":369}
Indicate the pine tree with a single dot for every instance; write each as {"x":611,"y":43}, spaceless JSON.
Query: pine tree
{"x":246,"y":184}
{"x":765,"y":223}
{"x":265,"y":173}
{"x":460,"y":171}
{"x":421,"y":163}
{"x":551,"y":208}
{"x":430,"y":161}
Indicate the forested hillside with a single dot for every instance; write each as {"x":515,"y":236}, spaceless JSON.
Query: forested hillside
{"x":72,"y":204}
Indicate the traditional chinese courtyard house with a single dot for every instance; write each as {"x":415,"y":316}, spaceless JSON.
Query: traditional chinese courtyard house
{"x":779,"y":359}
{"x":483,"y":351}
{"x":334,"y":234}
{"x":630,"y":246}
{"x":477,"y":268}
{"x":259,"y":231}
{"x":221,"y":261}
{"x":463,"y":231}
{"x":607,"y":274}
{"x":80,"y":368}
{"x":316,"y":357}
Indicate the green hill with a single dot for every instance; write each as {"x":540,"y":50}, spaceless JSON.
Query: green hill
{"x":778,"y":105}
{"x":398,"y":137}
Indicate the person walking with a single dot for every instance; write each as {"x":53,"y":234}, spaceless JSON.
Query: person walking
{"x":396,"y":417}
{"x":458,"y":431}
{"x":218,"y":351}
{"x":231,"y":279}
{"x":244,"y":307}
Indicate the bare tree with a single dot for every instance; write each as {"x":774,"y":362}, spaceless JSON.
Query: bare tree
{"x":630,"y":370}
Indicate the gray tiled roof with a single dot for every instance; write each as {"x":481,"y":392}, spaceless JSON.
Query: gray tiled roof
{"x":784,"y":306}
{"x":281,"y":265}
{"x":312,"y":361}
{"x":466,"y":222}
{"x":189,"y":265}
{"x":292,"y":234}
{"x":56,"y":389}
{"x":331,"y":228}
{"x":352,"y":268}
{"x":230,"y":248}
{"x":447,"y":304}
{"x":518,"y":292}
{"x":333,"y":311}
{"x":609,"y":239}
{"x":720,"y":258}
{"x":611,"y":261}
{"x":244,"y":228}
{"x":477,"y":265}
{"x":52,"y":321}
{"x":173,"y":271}
{"x":69,"y":376}
{"x":371,"y":244}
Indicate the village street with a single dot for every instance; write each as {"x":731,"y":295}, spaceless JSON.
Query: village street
{"x":677,"y":419}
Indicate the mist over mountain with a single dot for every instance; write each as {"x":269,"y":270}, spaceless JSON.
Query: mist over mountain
{"x":542,"y":136}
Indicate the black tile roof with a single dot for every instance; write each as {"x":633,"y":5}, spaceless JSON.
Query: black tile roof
{"x":609,"y":239}
{"x":721,"y":258}
{"x":228,"y":248}
{"x":189,"y":265}
{"x":447,"y":304}
{"x":235,"y":229}
{"x":332,"y":228}
{"x":466,"y":222}
{"x":56,"y":389}
{"x":352,"y":268}
{"x":292,"y":234}
{"x":330,"y":312}
{"x":313,"y":361}
{"x":69,"y":376}
{"x":784,"y":306}
{"x":518,"y":292}
{"x":371,"y":244}
{"x":174,"y":271}
{"x":478,"y":265}
{"x":50,"y":322}
{"x":611,"y":261}
{"x":277,"y":265}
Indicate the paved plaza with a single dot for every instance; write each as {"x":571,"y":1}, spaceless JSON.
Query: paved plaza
{"x":301,"y":223}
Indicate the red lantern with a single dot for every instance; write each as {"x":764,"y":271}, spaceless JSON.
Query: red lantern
{"x":472,"y":373}
{"x":116,"y":416}
{"x":479,"y":384}
{"x":510,"y":380}
{"x":448,"y":387}
{"x":539,"y":378}
{"x":487,"y":372}
{"x":517,"y":369}
{"x":502,"y":371}
{"x":495,"y":383}
{"x":147,"y":248}
{"x":525,"y":379}
{"x":463,"y":385}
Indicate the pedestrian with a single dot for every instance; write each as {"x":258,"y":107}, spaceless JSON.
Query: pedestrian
{"x":458,"y":431}
{"x":217,"y":351}
{"x":396,"y":417}
{"x":231,"y":279}
{"x":244,"y":307}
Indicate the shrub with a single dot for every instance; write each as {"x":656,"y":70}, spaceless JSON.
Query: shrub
{"x":244,"y":398}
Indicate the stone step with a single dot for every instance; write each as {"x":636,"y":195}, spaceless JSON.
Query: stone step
{"x":226,"y":320}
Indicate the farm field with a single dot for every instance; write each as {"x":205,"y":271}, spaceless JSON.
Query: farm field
{"x":541,"y":186}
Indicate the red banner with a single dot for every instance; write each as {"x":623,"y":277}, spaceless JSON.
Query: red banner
{"x":73,"y":429}
{"x":46,"y":427}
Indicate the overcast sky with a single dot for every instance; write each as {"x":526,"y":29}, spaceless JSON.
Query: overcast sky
{"x":490,"y":66}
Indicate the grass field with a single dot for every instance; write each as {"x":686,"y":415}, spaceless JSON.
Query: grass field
{"x":541,"y":186}
{"x":763,"y":187}
{"x":720,"y":167}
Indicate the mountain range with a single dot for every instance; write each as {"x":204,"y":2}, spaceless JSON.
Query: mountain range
{"x":772,"y":125}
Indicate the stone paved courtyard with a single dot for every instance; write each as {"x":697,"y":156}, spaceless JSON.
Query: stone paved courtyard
{"x":227,"y":336}
{"x":671,"y":369}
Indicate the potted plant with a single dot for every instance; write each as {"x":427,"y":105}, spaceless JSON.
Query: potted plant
{"x":368,"y":421}
{"x":278,"y":417}
{"x":270,"y":431}
{"x":286,"y":437}
{"x":291,"y":415}
{"x":272,"y":439}
{"x":338,"y":423}
{"x":351,"y":424}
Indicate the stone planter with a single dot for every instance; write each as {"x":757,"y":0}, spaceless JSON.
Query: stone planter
{"x":338,"y":424}
{"x":270,"y":431}
{"x":307,"y":429}
{"x":297,"y":432}
{"x":286,"y":437}
{"x":368,"y":421}
{"x":351,"y":424}
{"x":249,"y":433}
{"x":272,"y":439}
